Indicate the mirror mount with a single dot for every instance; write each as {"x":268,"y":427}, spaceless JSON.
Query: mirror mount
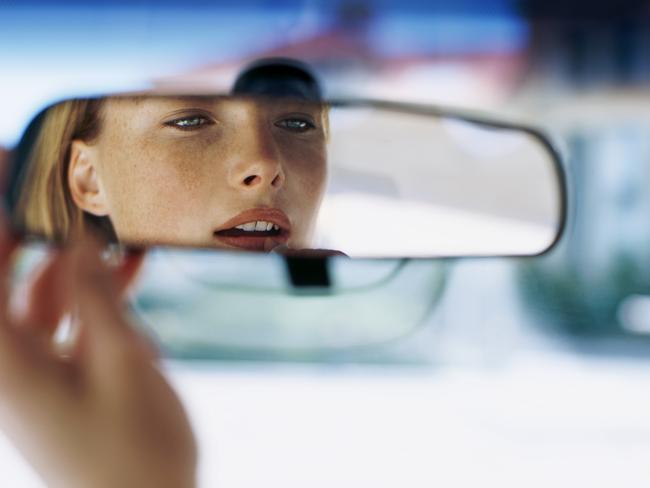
{"x":309,"y":273}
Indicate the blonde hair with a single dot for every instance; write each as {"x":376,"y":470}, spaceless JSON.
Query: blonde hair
{"x":45,"y":207}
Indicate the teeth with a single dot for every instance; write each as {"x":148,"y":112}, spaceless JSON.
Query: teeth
{"x":257,"y":226}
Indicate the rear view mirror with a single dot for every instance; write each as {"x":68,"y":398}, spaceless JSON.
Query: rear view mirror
{"x":275,"y":167}
{"x":255,"y":172}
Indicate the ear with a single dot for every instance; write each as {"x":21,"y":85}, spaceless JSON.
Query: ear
{"x":83,"y":180}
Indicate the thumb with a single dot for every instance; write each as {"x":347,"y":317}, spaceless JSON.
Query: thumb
{"x":107,"y":341}
{"x":127,"y":270}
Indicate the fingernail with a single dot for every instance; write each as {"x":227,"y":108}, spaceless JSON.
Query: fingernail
{"x":66,"y":335}
{"x":113,"y":255}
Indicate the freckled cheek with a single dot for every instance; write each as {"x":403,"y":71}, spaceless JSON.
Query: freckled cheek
{"x":307,"y":179}
{"x":152,"y":191}
{"x":313,"y":177}
{"x":310,"y":179}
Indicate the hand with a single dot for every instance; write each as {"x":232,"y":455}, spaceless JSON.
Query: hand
{"x":103,"y":415}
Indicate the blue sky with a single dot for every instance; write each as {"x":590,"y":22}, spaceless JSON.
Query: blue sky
{"x":50,"y":50}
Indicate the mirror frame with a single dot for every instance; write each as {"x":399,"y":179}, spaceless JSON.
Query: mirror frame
{"x":19,"y":151}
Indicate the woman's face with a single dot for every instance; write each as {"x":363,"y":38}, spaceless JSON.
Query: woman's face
{"x":221,"y":172}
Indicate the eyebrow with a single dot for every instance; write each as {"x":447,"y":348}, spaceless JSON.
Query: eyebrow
{"x":203,"y":100}
{"x":197,"y":98}
{"x":188,"y":98}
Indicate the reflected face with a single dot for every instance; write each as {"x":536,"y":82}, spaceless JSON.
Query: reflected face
{"x":230,"y":173}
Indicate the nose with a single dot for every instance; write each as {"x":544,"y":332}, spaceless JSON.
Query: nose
{"x":258,"y":164}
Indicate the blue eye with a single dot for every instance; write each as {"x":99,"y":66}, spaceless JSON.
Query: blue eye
{"x":189,"y":123}
{"x":295,"y":124}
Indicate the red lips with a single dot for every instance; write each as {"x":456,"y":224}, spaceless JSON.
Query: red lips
{"x":255,"y":240}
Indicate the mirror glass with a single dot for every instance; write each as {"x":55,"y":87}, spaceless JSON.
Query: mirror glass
{"x":288,"y":172}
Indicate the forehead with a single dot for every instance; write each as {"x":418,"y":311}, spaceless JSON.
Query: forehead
{"x":154,"y":105}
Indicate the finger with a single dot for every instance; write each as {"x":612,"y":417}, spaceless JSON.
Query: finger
{"x":125,"y":276}
{"x":8,"y":246}
{"x":107,"y":339}
{"x":148,"y":345}
{"x":70,"y":342}
{"x":41,"y":309}
{"x":19,"y":367}
{"x":43,"y":298}
{"x":42,"y":306}
{"x":127,"y":270}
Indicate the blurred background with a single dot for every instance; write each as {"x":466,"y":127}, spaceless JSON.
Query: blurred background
{"x":530,"y":370}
